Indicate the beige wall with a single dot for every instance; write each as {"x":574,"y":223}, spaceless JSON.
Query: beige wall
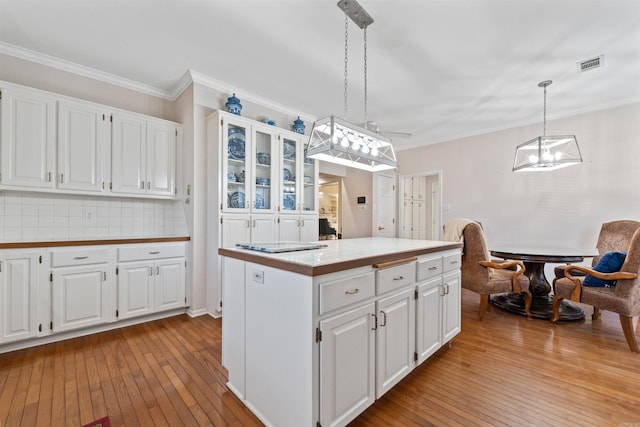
{"x":559,"y":208}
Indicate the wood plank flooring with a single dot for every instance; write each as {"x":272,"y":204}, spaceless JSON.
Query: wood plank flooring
{"x":504,"y":371}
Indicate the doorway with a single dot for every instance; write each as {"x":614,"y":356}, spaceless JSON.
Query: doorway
{"x":329,"y":192}
{"x":420,"y":206}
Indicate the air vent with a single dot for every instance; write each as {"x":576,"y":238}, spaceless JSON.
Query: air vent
{"x":591,"y":64}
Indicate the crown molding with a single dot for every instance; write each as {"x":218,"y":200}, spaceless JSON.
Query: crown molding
{"x":221,"y":86}
{"x":81,"y":70}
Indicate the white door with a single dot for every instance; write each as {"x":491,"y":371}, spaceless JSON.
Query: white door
{"x":135,"y":289}
{"x":347,"y":371}
{"x":80,"y":297}
{"x":289,"y":229}
{"x":428,"y":315}
{"x":28,"y":136}
{"x":129,"y":151}
{"x":384,"y":205}
{"x":309,"y":229}
{"x":235,"y":229}
{"x":83,"y":131}
{"x":395,"y":339}
{"x":451,"y":306}
{"x":161,"y":159}
{"x":169,"y":284}
{"x":18,"y":296}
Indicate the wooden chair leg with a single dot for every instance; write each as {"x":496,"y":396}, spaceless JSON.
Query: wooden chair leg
{"x":557,"y":300}
{"x":484,"y":302}
{"x":629,"y":332}
{"x":527,"y":304}
{"x":596,"y":313}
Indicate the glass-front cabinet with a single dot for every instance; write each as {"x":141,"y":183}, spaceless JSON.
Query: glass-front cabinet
{"x":299,"y":189}
{"x":248,"y":171}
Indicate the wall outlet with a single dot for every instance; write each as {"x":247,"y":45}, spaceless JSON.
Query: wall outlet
{"x":89,"y":216}
{"x":258,"y":276}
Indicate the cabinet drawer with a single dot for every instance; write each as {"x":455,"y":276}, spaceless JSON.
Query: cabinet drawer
{"x":81,"y":256}
{"x":429,"y":267}
{"x":343,"y":292}
{"x":451,"y":262}
{"x":134,"y":253}
{"x":395,"y":277}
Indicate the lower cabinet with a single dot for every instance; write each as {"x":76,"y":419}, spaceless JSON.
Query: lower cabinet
{"x":154,"y":282}
{"x":18,"y":295}
{"x":80,"y":297}
{"x":298,"y":228}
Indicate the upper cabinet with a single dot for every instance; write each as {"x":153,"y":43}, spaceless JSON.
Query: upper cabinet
{"x":299,"y":179}
{"x":54,"y":143}
{"x":28,"y":132}
{"x":83,"y":138}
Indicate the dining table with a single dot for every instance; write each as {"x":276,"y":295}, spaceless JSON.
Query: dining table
{"x":534,"y":259}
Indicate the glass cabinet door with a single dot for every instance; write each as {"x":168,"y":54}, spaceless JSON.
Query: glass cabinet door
{"x":265,"y":156}
{"x":309,"y":184}
{"x":234,"y":165}
{"x":289,"y":170}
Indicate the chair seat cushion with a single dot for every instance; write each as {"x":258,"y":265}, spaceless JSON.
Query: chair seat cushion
{"x":609,"y":263}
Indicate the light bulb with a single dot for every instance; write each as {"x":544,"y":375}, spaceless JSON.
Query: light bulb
{"x":558,"y":155}
{"x":374,"y":151}
{"x":533,"y":159}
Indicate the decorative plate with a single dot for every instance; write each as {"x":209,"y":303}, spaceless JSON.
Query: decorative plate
{"x":286,"y":175}
{"x":236,"y":200}
{"x":289,"y":150}
{"x":259,"y":202}
{"x":289,"y":201}
{"x":236,"y":148}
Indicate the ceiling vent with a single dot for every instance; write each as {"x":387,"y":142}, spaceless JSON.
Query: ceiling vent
{"x":591,"y":64}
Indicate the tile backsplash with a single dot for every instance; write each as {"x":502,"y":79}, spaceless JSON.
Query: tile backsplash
{"x":27,"y":216}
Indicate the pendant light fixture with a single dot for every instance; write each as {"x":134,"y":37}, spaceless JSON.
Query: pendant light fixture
{"x":336,"y":140}
{"x":546,"y":153}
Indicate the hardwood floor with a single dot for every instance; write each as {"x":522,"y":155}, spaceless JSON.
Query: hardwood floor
{"x":503,"y":371}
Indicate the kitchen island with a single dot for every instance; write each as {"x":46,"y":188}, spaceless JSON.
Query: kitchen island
{"x":313,"y":337}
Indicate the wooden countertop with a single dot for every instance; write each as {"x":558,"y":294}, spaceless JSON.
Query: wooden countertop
{"x":61,"y":243}
{"x":342,"y":255}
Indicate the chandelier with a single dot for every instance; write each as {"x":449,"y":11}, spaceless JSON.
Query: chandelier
{"x":546,"y":153}
{"x":336,"y":140}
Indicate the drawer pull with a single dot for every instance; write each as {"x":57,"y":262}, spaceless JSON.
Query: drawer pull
{"x":453,"y":262}
{"x":375,"y":322}
{"x":352,"y":291}
{"x":432,"y":268}
{"x":385,"y":318}
{"x":80,"y":257}
{"x":399,"y":278}
{"x":154,"y":252}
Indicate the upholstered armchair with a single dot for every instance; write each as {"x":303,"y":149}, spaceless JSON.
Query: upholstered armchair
{"x":623,"y":299}
{"x":614,"y":236}
{"x":482,"y":275}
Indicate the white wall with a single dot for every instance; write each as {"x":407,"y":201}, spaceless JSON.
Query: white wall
{"x":564,"y":207}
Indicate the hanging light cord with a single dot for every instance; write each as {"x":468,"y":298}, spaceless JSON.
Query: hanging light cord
{"x":346,"y":56}
{"x":365,"y":76}
{"x":544,"y":117}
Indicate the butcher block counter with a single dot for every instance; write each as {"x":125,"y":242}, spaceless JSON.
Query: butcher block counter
{"x":313,"y":337}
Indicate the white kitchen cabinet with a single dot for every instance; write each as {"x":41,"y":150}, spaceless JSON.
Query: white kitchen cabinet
{"x":299,"y":177}
{"x":437,"y":303}
{"x":395,"y":339}
{"x":297,"y":228}
{"x":347,"y":365}
{"x":151,"y":278}
{"x":242,"y":228}
{"x":28,"y":137}
{"x":18,"y":295}
{"x":83,"y":146}
{"x":143,"y":155}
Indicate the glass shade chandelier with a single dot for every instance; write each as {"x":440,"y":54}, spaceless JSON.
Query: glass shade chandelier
{"x":546,"y":153}
{"x":338,"y":141}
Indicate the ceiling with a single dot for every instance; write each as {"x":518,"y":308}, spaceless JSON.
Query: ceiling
{"x":437,"y":69}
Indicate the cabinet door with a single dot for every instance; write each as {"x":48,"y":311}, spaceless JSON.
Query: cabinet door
{"x":309,"y":181}
{"x":235,"y":229}
{"x":161,"y":159}
{"x":264,"y":176}
{"x":395,"y":339}
{"x":28,"y":138}
{"x":83,"y":132}
{"x":169,"y":284}
{"x":289,"y":229}
{"x":129,"y":150}
{"x":347,"y":371}
{"x":451,"y":306}
{"x":80,"y":297}
{"x":309,"y":229}
{"x":135,"y":289}
{"x":263,"y":229}
{"x":18,"y":296}
{"x":236,"y":138}
{"x":289,"y":197}
{"x":428,"y":315}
